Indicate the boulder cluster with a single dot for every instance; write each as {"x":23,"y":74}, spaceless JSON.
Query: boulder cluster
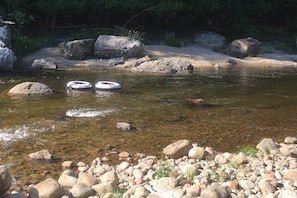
{"x":186,"y":171}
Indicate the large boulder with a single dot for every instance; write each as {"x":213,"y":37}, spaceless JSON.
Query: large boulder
{"x":5,"y":36}
{"x":110,"y":46}
{"x":5,"y":180}
{"x":165,"y":66}
{"x":210,"y":40}
{"x":77,"y":49}
{"x":241,"y":48}
{"x":48,"y":188}
{"x":30,"y":88}
{"x":7,"y":58}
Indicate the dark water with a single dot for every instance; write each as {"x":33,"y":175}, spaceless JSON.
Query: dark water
{"x":248,"y":104}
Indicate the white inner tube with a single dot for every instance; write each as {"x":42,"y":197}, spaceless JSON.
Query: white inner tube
{"x":107,"y":85}
{"x":79,"y":85}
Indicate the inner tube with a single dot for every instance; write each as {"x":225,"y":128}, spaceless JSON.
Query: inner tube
{"x":107,"y":85}
{"x":78,"y":84}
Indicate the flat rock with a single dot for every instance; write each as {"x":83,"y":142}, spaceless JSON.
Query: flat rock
{"x":30,"y":88}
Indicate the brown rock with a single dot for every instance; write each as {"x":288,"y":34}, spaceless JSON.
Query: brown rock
{"x":5,"y":180}
{"x":178,"y":149}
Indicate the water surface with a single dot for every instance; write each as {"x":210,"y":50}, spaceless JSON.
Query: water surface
{"x":248,"y":104}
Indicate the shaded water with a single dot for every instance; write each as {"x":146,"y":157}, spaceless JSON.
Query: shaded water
{"x":248,"y":105}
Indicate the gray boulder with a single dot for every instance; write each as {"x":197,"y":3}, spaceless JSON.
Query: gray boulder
{"x":30,"y":88}
{"x":5,"y":36}
{"x":7,"y":58}
{"x":211,"y":40}
{"x":5,"y":180}
{"x":165,"y":66}
{"x":43,"y":64}
{"x":110,"y":46}
{"x":77,"y":49}
{"x":241,"y":48}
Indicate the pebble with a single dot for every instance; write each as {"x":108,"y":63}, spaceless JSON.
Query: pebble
{"x":203,"y":172}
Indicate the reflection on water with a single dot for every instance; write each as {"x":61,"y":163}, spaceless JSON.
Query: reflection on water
{"x":248,"y":105}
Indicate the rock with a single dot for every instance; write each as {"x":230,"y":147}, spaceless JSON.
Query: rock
{"x":110,"y":176}
{"x":77,"y":49}
{"x":14,"y":195}
{"x":87,"y":178}
{"x":290,"y":140}
{"x":165,"y":66}
{"x":241,"y":48}
{"x":267,"y":145}
{"x":68,"y":178}
{"x":216,"y":190}
{"x":49,"y":188}
{"x":82,"y":190}
{"x":291,"y":175}
{"x":134,"y":62}
{"x":5,"y":36}
{"x":43,"y":64}
{"x":266,"y":187}
{"x":197,"y":153}
{"x":5,"y":180}
{"x":124,"y":154}
{"x":43,"y":155}
{"x":103,"y":188}
{"x":197,"y":101}
{"x":178,"y":149}
{"x":164,"y":183}
{"x":210,"y":40}
{"x":68,"y":164}
{"x":141,"y":192}
{"x":30,"y":88}
{"x":124,"y":126}
{"x":7,"y":58}
{"x":287,"y":194}
{"x":109,"y":46}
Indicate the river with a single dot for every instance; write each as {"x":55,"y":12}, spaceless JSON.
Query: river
{"x":247,"y":104}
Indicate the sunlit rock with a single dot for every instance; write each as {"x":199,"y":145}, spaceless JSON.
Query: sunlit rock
{"x":30,"y":88}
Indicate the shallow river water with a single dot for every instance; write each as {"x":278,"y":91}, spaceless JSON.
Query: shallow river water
{"x":248,"y":104}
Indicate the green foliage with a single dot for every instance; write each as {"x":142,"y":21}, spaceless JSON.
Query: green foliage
{"x":22,"y":45}
{"x":118,"y":193}
{"x":249,"y":150}
{"x":174,"y":42}
{"x":163,"y":169}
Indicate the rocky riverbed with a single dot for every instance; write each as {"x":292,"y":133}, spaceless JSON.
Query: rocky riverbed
{"x":186,"y":171}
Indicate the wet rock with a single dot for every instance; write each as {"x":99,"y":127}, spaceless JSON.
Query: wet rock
{"x":43,"y":155}
{"x":49,"y":188}
{"x":43,"y":64}
{"x":197,"y":101}
{"x":178,"y":149}
{"x":30,"y":88}
{"x":124,"y":126}
{"x":5,"y":180}
{"x":109,"y":46}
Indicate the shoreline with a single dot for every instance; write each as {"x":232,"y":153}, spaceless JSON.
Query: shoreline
{"x":196,"y":55}
{"x":186,"y":171}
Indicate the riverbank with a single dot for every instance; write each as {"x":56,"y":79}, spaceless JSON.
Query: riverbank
{"x":196,"y":55}
{"x":187,"y":171}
